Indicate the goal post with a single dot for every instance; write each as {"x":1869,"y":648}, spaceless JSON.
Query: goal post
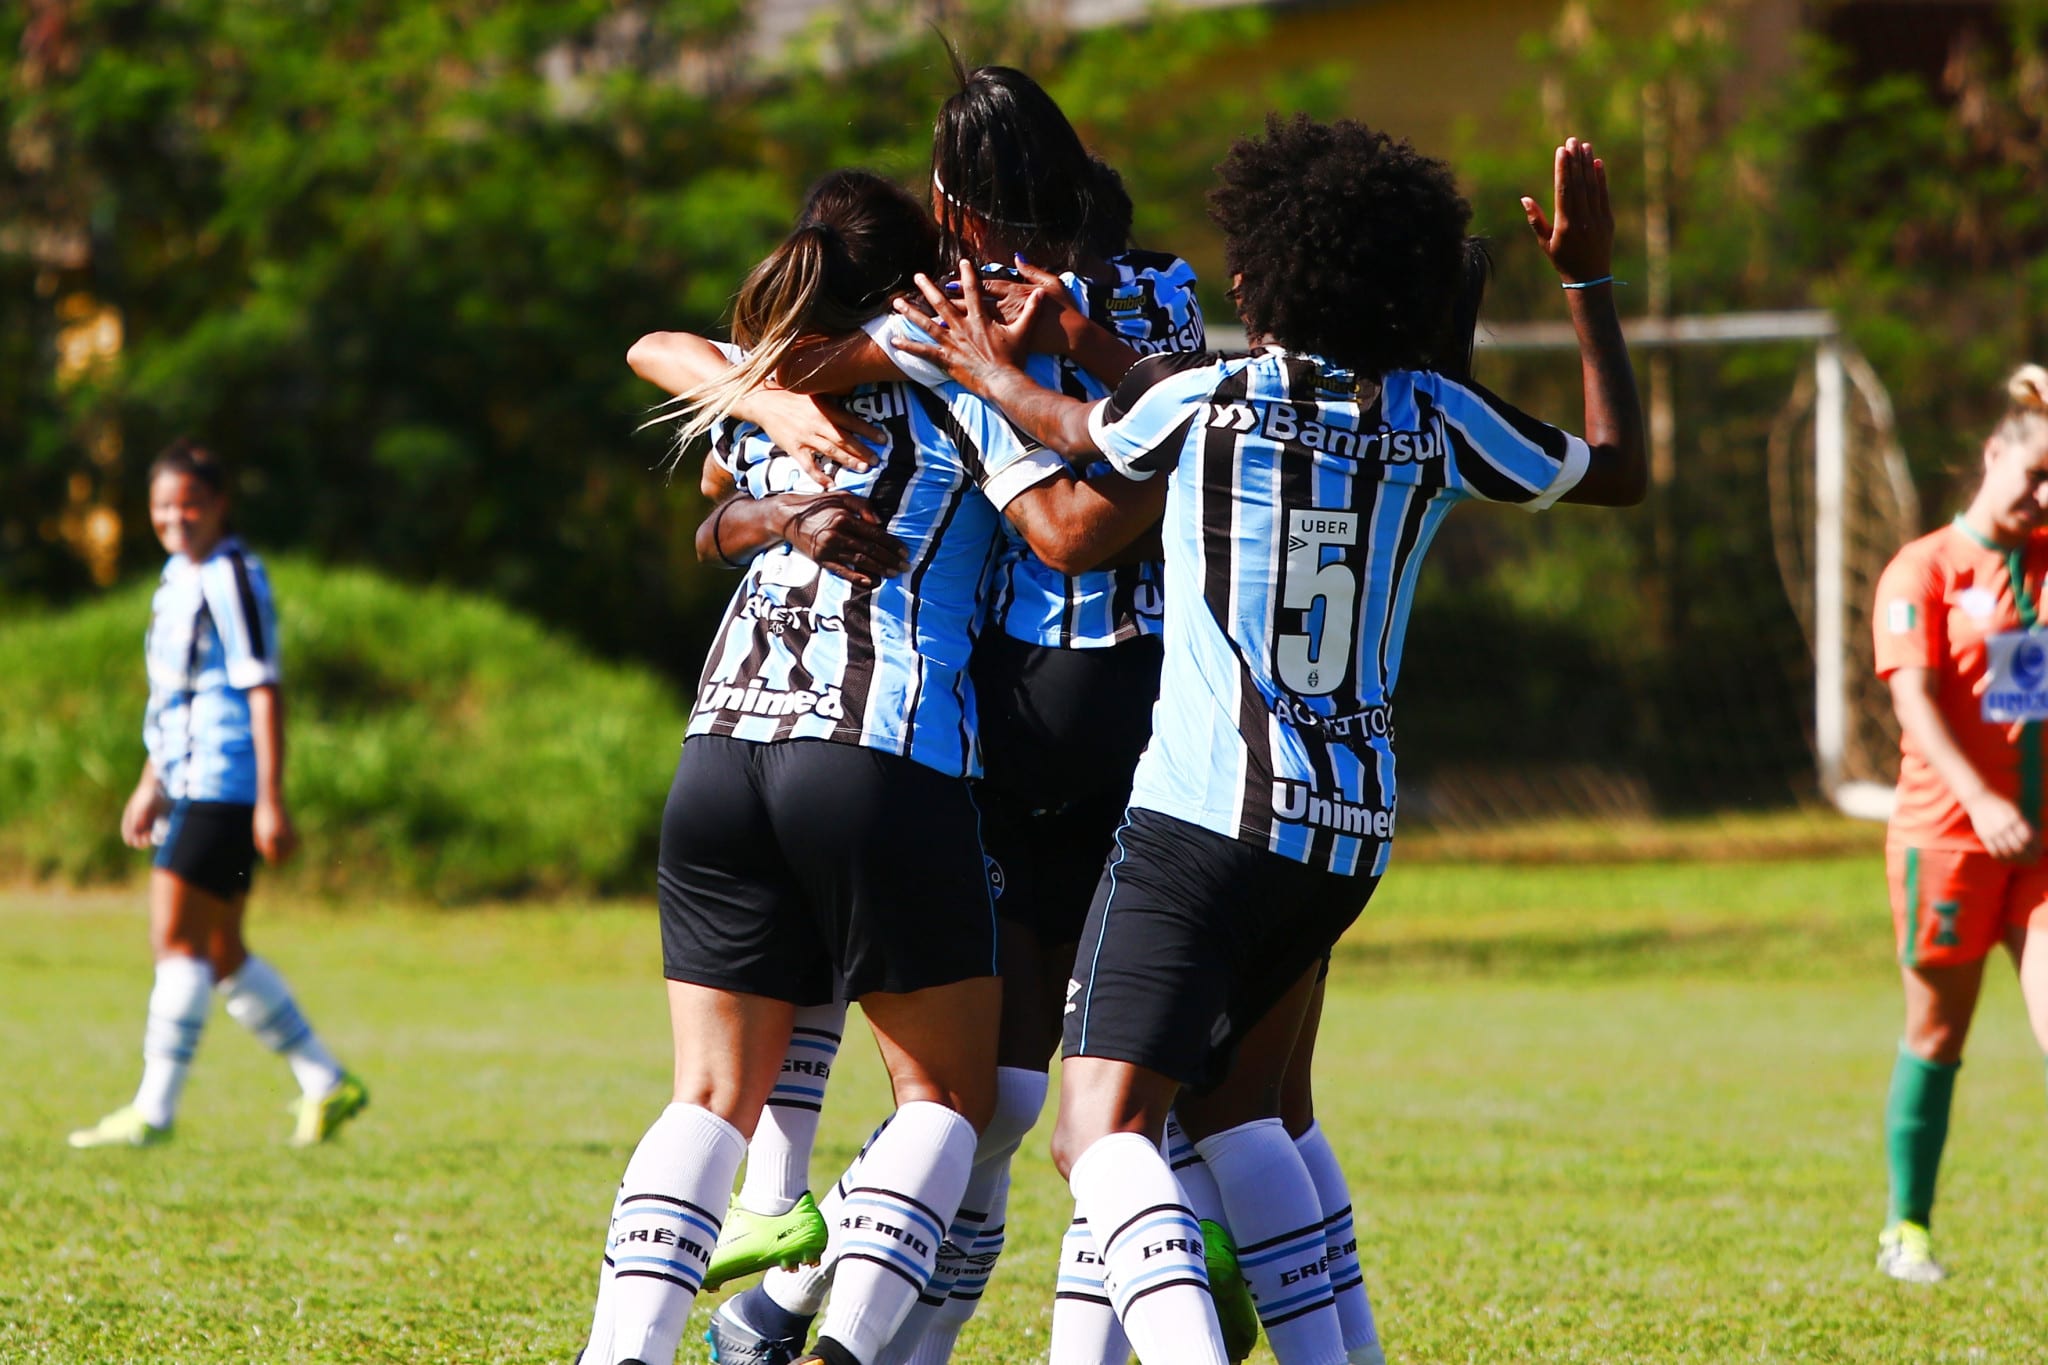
{"x":1838,"y":377}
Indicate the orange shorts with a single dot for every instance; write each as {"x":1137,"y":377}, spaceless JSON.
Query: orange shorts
{"x":1951,"y":906}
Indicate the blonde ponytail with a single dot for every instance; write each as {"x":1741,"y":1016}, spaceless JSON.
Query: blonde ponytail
{"x":768,"y":314}
{"x":2027,"y":390}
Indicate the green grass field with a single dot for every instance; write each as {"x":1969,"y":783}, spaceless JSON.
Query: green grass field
{"x":1589,"y":1113}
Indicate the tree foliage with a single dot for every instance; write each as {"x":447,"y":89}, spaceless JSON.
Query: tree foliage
{"x":388,"y":255}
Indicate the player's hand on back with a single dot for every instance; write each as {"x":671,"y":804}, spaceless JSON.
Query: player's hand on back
{"x":816,"y":432}
{"x":1578,"y":236}
{"x":840,"y":532}
{"x":1039,"y":296}
{"x":970,"y":341}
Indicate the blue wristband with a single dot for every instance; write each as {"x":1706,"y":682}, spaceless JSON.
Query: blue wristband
{"x":1588,"y":284}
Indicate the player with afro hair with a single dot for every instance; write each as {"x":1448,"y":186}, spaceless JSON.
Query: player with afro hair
{"x":1344,"y":242}
{"x":1305,"y":480}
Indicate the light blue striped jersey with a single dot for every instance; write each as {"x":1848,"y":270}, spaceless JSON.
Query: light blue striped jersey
{"x":805,"y":654}
{"x":212,"y":636}
{"x":1150,"y":302}
{"x":1300,"y":504}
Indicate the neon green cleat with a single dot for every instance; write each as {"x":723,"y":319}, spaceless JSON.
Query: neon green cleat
{"x":1905,"y":1251}
{"x":318,"y":1119}
{"x":752,"y":1242}
{"x":1235,"y":1312}
{"x":125,"y":1127}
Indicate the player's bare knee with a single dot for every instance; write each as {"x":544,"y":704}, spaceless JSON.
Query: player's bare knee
{"x":973,"y":1101}
{"x":1939,"y":1041}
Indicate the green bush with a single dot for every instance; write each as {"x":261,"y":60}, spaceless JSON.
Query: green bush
{"x":438,"y":744}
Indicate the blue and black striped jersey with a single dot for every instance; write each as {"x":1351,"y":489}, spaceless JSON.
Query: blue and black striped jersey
{"x":212,"y":637}
{"x":1300,"y":505}
{"x":805,"y":654}
{"x":1151,"y":304}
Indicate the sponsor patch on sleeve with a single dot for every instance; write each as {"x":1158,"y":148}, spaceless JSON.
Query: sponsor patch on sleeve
{"x":1900,"y":617}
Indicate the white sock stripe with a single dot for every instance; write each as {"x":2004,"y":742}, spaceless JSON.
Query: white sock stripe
{"x":283,"y":1029}
{"x":876,"y":1196}
{"x":1157,"y":1216}
{"x":889,"y":1259}
{"x":1152,"y":1281}
{"x":814,"y":1037}
{"x":1285,"y":1244}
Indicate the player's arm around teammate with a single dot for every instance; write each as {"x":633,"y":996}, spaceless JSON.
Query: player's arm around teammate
{"x":820,"y":828}
{"x":838,"y":530}
{"x":211,"y":799}
{"x":1171,"y":960}
{"x":1958,"y":638}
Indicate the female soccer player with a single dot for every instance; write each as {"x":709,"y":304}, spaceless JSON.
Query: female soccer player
{"x":1067,"y":667}
{"x":821,"y":832}
{"x":212,"y":798}
{"x":1306,"y":478}
{"x":1960,"y":641}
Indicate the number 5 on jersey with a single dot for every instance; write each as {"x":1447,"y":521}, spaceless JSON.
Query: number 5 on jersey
{"x":1317,"y":581}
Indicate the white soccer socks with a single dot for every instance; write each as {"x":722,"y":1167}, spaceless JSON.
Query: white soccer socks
{"x":886,"y":1233}
{"x":258,"y":999}
{"x":1196,"y":1180}
{"x":975,"y":1240}
{"x":1347,"y":1277}
{"x":1084,"y":1326}
{"x":779,"y":1157}
{"x":1151,"y":1250}
{"x":1276,"y":1218}
{"x":663,"y":1228}
{"x":178,"y":1002}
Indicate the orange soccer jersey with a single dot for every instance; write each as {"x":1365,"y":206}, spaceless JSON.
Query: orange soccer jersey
{"x":1947,"y":603}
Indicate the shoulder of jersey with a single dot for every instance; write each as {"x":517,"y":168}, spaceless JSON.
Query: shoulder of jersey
{"x":231,"y":547}
{"x":1165,"y":365}
{"x":1157,"y":262}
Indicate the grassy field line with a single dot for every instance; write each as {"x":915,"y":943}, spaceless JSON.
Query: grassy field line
{"x":1624,"y":1114}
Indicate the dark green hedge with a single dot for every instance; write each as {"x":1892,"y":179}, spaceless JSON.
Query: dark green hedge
{"x":439,"y":745}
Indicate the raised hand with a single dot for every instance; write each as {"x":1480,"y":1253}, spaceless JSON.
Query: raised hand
{"x":1578,"y":237}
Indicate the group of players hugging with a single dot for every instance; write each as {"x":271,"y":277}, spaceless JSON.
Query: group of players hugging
{"x":1053,"y":709}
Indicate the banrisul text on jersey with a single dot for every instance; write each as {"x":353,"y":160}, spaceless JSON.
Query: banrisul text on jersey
{"x":805,"y":654}
{"x":1300,"y":504}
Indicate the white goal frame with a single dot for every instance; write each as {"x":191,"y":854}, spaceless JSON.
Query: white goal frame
{"x":1863,"y":800}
